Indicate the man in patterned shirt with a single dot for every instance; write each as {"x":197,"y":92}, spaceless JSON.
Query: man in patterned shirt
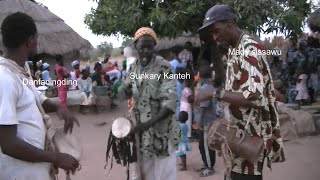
{"x":248,"y":87}
{"x":154,"y":103}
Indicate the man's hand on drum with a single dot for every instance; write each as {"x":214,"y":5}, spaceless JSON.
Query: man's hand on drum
{"x":140,"y":128}
{"x":124,"y":93}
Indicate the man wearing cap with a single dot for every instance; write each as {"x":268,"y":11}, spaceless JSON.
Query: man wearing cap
{"x":154,"y":106}
{"x":248,"y":88}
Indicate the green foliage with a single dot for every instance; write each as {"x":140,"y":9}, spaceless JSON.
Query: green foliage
{"x":116,"y":52}
{"x":127,"y":41}
{"x":172,"y":18}
{"x":101,"y":50}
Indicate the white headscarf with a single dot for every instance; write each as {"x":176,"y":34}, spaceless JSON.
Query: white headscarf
{"x":45,"y":66}
{"x":131,"y":54}
{"x":75,"y":62}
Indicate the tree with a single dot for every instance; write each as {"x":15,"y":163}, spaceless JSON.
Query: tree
{"x":105,"y":48}
{"x":101,"y":50}
{"x":127,"y":41}
{"x":172,"y":18}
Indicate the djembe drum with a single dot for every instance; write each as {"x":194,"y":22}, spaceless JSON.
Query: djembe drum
{"x":67,"y":143}
{"x":120,"y":138}
{"x":225,"y":136}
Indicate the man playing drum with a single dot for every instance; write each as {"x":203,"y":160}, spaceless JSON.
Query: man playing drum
{"x":154,"y":100}
{"x":23,"y":154}
{"x":248,"y":86}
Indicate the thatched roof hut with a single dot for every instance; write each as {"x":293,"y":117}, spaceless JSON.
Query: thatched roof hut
{"x":314,"y":21}
{"x":55,"y":36}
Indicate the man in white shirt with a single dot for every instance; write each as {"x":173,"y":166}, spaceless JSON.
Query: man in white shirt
{"x":22,"y":129}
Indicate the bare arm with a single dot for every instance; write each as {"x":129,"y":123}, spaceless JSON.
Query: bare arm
{"x":233,"y":98}
{"x":49,"y":106}
{"x":14,"y":147}
{"x":163,"y":114}
{"x":63,"y":113}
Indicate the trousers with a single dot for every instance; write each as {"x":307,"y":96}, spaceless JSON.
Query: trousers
{"x":208,"y":156}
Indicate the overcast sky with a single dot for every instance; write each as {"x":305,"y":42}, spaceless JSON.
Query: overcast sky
{"x":73,"y":13}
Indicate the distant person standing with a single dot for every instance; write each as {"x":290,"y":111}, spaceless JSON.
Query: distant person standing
{"x":62,"y":74}
{"x":175,"y":61}
{"x":75,"y":74}
{"x":207,"y":114}
{"x":302,"y":88}
{"x":96,"y":76}
{"x":186,"y":56}
{"x":45,"y":72}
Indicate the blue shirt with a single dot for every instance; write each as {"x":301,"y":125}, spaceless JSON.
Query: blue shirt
{"x":175,"y":63}
{"x":210,"y":106}
{"x":45,"y":75}
{"x":184,"y":132}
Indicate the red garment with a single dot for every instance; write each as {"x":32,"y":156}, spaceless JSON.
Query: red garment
{"x":110,"y":66}
{"x":63,"y":88}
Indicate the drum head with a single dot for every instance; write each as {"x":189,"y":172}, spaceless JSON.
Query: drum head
{"x":121,"y":127}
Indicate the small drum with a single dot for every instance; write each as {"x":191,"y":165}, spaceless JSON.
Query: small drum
{"x":119,"y":141}
{"x":67,"y":143}
{"x":121,"y":127}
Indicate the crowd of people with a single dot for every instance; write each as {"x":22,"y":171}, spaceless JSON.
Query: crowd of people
{"x":106,"y":74}
{"x":299,"y":72}
{"x":169,"y":112}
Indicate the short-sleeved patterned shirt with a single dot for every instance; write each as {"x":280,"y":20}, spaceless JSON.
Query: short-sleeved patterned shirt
{"x":248,"y":73}
{"x":157,"y":93}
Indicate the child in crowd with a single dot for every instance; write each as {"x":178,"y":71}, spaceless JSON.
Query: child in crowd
{"x":207,"y":114}
{"x":184,"y":146}
{"x":186,"y":102}
{"x":302,"y":89}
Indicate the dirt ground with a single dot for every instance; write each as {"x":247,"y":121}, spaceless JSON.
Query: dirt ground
{"x":302,"y":155}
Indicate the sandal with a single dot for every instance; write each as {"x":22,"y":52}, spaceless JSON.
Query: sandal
{"x":207,"y":172}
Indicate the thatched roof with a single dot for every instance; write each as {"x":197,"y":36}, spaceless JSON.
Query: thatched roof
{"x":55,"y":36}
{"x":167,"y":43}
{"x":314,"y":21}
